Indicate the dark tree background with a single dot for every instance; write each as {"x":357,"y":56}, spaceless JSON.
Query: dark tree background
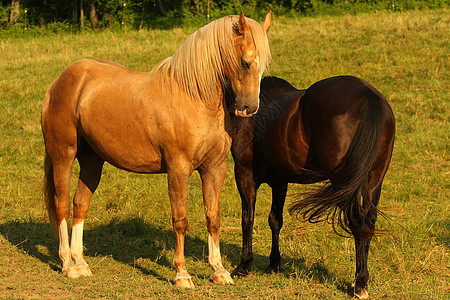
{"x":138,"y":14}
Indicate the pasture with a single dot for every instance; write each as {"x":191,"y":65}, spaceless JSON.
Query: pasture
{"x":128,"y":232}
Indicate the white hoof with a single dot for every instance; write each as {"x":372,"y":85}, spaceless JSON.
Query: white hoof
{"x":84,"y":271}
{"x":222,"y":277}
{"x":184,"y":280}
{"x":70,"y":272}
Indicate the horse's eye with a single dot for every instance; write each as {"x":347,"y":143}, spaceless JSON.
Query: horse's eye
{"x":245,"y":64}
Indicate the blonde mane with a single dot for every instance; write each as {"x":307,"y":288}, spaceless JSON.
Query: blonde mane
{"x":197,"y":66}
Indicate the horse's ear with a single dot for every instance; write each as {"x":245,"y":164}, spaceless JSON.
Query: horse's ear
{"x":268,"y":21}
{"x":243,"y":28}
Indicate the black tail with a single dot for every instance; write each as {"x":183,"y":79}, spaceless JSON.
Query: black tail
{"x":339,"y":200}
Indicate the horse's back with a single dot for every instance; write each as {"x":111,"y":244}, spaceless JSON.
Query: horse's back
{"x":338,"y":94}
{"x":69,"y":85}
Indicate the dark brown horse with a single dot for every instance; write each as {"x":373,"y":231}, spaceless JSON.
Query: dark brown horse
{"x":340,"y":130}
{"x":170,"y":120}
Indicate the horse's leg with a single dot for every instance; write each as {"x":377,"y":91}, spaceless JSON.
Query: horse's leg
{"x":247,"y":190}
{"x":90,"y":172}
{"x":62,"y":160}
{"x":212,"y":182}
{"x":178,"y":176}
{"x":276,"y":222}
{"x":362,"y":249}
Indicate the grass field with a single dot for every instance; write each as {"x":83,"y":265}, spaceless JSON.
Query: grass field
{"x":128,"y":237}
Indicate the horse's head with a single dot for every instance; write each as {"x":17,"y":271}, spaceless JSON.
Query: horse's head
{"x":252,"y":57}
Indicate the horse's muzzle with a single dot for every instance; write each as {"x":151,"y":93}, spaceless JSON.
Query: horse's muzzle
{"x":244,"y":113}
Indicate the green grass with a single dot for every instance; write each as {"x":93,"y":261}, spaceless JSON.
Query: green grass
{"x":128,"y":237}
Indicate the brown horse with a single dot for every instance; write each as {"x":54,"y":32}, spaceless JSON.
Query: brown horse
{"x":170,"y":120}
{"x":340,"y":130}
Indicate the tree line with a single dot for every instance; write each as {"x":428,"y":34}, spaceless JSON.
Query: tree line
{"x":138,"y":14}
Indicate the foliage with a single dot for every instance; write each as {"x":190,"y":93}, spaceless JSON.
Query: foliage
{"x":4,"y":15}
{"x":138,"y":14}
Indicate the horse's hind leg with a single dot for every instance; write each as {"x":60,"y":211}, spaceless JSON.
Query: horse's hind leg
{"x":362,"y":244}
{"x":276,"y":222}
{"x":62,"y":160}
{"x":212,"y":182}
{"x":90,"y":172}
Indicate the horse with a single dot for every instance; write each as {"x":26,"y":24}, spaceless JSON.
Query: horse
{"x":169,"y":120}
{"x":339,"y":131}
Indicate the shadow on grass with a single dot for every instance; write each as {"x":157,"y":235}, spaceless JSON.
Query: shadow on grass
{"x":318,"y":271}
{"x":127,"y":240}
{"x":442,"y":234}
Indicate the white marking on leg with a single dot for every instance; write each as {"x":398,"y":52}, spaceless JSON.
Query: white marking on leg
{"x":214,"y":254}
{"x":77,"y":250}
{"x":64,"y":249}
{"x":220,"y":275}
{"x":77,"y":243}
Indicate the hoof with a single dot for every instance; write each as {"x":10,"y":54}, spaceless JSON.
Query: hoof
{"x":184,"y":280}
{"x":185,"y":283}
{"x":272,"y":269}
{"x":84,"y":271}
{"x":70,"y":272}
{"x":361,"y":294}
{"x":360,"y":290}
{"x":222,"y":277}
{"x":240,"y":272}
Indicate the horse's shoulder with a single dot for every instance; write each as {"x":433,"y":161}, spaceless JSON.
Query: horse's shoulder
{"x":278,"y":92}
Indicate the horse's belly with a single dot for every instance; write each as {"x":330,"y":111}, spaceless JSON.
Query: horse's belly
{"x":120,"y":140}
{"x":126,"y":153}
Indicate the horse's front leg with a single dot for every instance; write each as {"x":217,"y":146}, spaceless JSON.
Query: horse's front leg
{"x":212,"y":182}
{"x":247,"y":190}
{"x":276,"y":222}
{"x":178,"y":176}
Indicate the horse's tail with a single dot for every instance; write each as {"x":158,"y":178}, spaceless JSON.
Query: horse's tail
{"x":50,"y":192}
{"x":339,"y":200}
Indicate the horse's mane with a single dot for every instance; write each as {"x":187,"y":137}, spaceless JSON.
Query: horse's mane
{"x":197,"y":66}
